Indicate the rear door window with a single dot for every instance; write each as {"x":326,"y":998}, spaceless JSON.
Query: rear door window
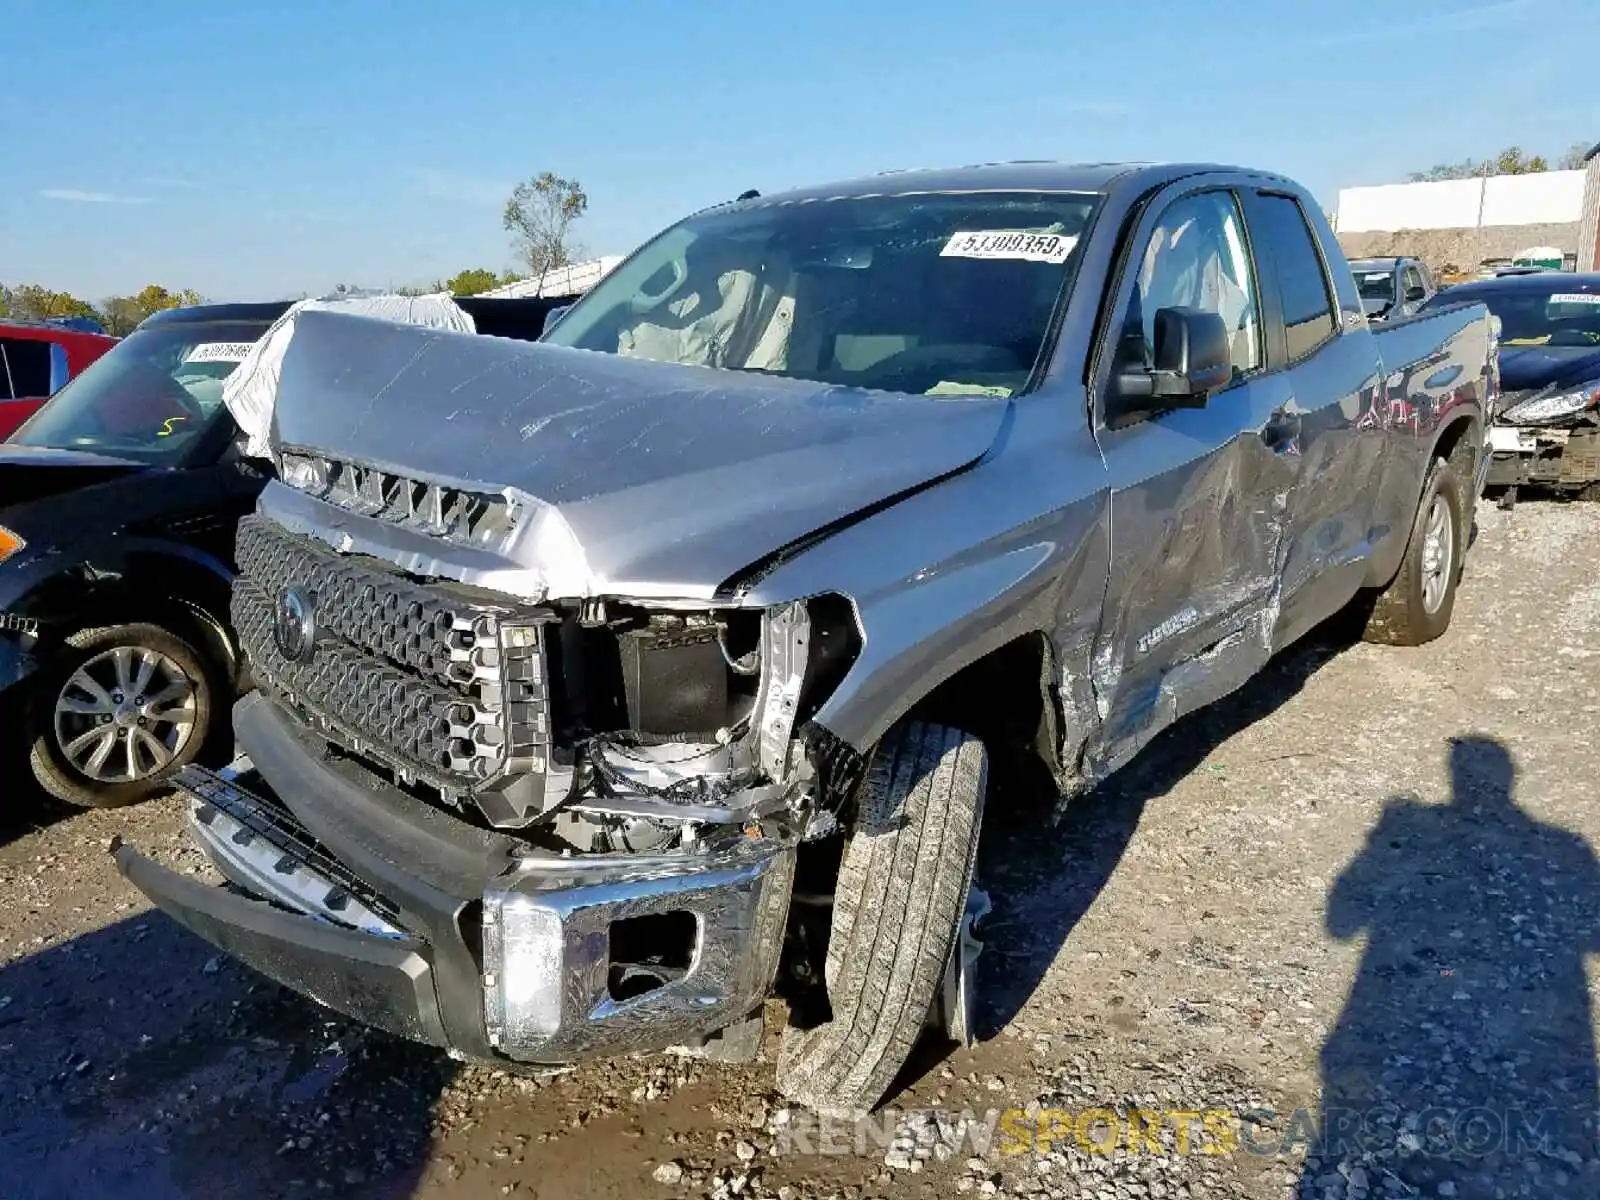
{"x":1283,"y":239}
{"x":27,"y":368}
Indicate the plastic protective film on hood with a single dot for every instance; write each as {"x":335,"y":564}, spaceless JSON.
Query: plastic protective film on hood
{"x":251,"y":392}
{"x":624,"y":476}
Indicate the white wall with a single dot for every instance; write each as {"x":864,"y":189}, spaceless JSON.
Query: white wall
{"x":572,"y":280}
{"x":1546,"y":198}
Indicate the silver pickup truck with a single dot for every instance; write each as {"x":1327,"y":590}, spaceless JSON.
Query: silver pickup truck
{"x":607,"y":682}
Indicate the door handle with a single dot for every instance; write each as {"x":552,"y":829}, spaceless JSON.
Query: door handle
{"x":1281,"y":432}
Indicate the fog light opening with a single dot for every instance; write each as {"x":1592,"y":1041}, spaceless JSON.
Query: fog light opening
{"x":649,"y":952}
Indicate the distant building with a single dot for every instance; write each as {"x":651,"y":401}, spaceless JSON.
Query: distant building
{"x":1589,"y":229}
{"x":572,"y":280}
{"x":1462,"y":222}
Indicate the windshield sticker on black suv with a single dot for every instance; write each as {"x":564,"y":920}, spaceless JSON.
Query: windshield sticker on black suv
{"x":1575,"y":298}
{"x":218,"y":352}
{"x":1019,"y":244}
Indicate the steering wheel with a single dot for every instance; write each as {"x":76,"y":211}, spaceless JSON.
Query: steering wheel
{"x":643,"y":301}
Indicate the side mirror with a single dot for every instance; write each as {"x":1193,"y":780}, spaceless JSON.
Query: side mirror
{"x":1415,"y":293}
{"x":553,"y":317}
{"x":1193,"y":358}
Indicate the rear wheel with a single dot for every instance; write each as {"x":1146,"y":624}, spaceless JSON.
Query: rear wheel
{"x":124,"y":708}
{"x":1417,"y":605}
{"x":899,"y":904}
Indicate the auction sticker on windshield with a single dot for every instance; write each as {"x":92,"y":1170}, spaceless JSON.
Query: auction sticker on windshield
{"x":1017,"y":244}
{"x":218,"y":352}
{"x":1575,"y":298}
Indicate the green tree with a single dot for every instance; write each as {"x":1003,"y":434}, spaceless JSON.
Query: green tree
{"x":1510,"y":161}
{"x":122,"y":314}
{"x":471,"y":281}
{"x":540,"y":213}
{"x":1465,"y":169}
{"x":32,"y":302}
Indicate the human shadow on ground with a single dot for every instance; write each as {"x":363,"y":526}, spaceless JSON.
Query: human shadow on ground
{"x":1463,"y":1063}
{"x":138,"y":1064}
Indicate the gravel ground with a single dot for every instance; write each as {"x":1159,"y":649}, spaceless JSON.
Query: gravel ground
{"x":1359,"y":891}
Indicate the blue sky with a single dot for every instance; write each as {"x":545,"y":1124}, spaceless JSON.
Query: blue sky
{"x":252,"y":150}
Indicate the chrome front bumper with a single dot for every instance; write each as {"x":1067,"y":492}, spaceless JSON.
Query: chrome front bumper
{"x":548,"y":928}
{"x":547,"y":967}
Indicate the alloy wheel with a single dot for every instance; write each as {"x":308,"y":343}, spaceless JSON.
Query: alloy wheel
{"x":1438,"y":554}
{"x":125,"y":715}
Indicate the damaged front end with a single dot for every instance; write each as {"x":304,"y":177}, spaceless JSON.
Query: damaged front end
{"x":1549,"y":438}
{"x":530,"y":770}
{"x":544,"y":830}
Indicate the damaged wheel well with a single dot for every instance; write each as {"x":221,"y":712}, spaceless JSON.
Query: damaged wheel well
{"x":1008,"y":698}
{"x":189,"y":603}
{"x":1459,"y":450}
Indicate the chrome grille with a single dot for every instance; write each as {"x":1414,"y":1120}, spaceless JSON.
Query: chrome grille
{"x":432,"y":682}
{"x":456,"y":514}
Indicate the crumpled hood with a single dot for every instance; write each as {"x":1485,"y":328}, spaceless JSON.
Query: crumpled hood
{"x":670,"y":479}
{"x":1525,"y":368}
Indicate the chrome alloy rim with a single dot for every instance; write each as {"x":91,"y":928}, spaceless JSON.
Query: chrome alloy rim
{"x":125,"y":715}
{"x":1438,"y":554}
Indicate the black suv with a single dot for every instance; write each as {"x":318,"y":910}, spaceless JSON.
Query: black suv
{"x":118,"y":502}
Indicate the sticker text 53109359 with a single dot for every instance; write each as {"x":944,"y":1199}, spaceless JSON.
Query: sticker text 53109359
{"x":1017,"y":244}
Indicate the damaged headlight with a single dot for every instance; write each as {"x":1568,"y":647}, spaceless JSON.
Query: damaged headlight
{"x":1542,"y":409}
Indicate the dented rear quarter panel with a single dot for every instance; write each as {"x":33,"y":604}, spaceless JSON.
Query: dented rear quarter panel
{"x":1440,"y":368}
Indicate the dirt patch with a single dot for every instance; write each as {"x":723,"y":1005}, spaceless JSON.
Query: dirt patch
{"x":1363,"y":885}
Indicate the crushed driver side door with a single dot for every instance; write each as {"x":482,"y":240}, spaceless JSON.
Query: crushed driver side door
{"x":1199,"y":496}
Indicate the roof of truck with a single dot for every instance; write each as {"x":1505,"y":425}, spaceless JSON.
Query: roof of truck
{"x":998,"y":177}
{"x":1537,"y":281}
{"x":269,"y":310}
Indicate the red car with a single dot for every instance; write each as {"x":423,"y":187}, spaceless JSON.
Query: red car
{"x":36,"y":360}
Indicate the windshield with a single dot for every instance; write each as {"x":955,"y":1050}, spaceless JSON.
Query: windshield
{"x":152,"y":397}
{"x":1375,"y":285}
{"x":1534,"y":317}
{"x":936,"y":293}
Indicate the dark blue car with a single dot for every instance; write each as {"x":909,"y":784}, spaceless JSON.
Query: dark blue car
{"x":1547,"y":428}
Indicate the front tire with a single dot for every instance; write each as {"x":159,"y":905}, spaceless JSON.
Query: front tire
{"x":898,"y":906}
{"x":121,"y":710}
{"x":1417,"y":605}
